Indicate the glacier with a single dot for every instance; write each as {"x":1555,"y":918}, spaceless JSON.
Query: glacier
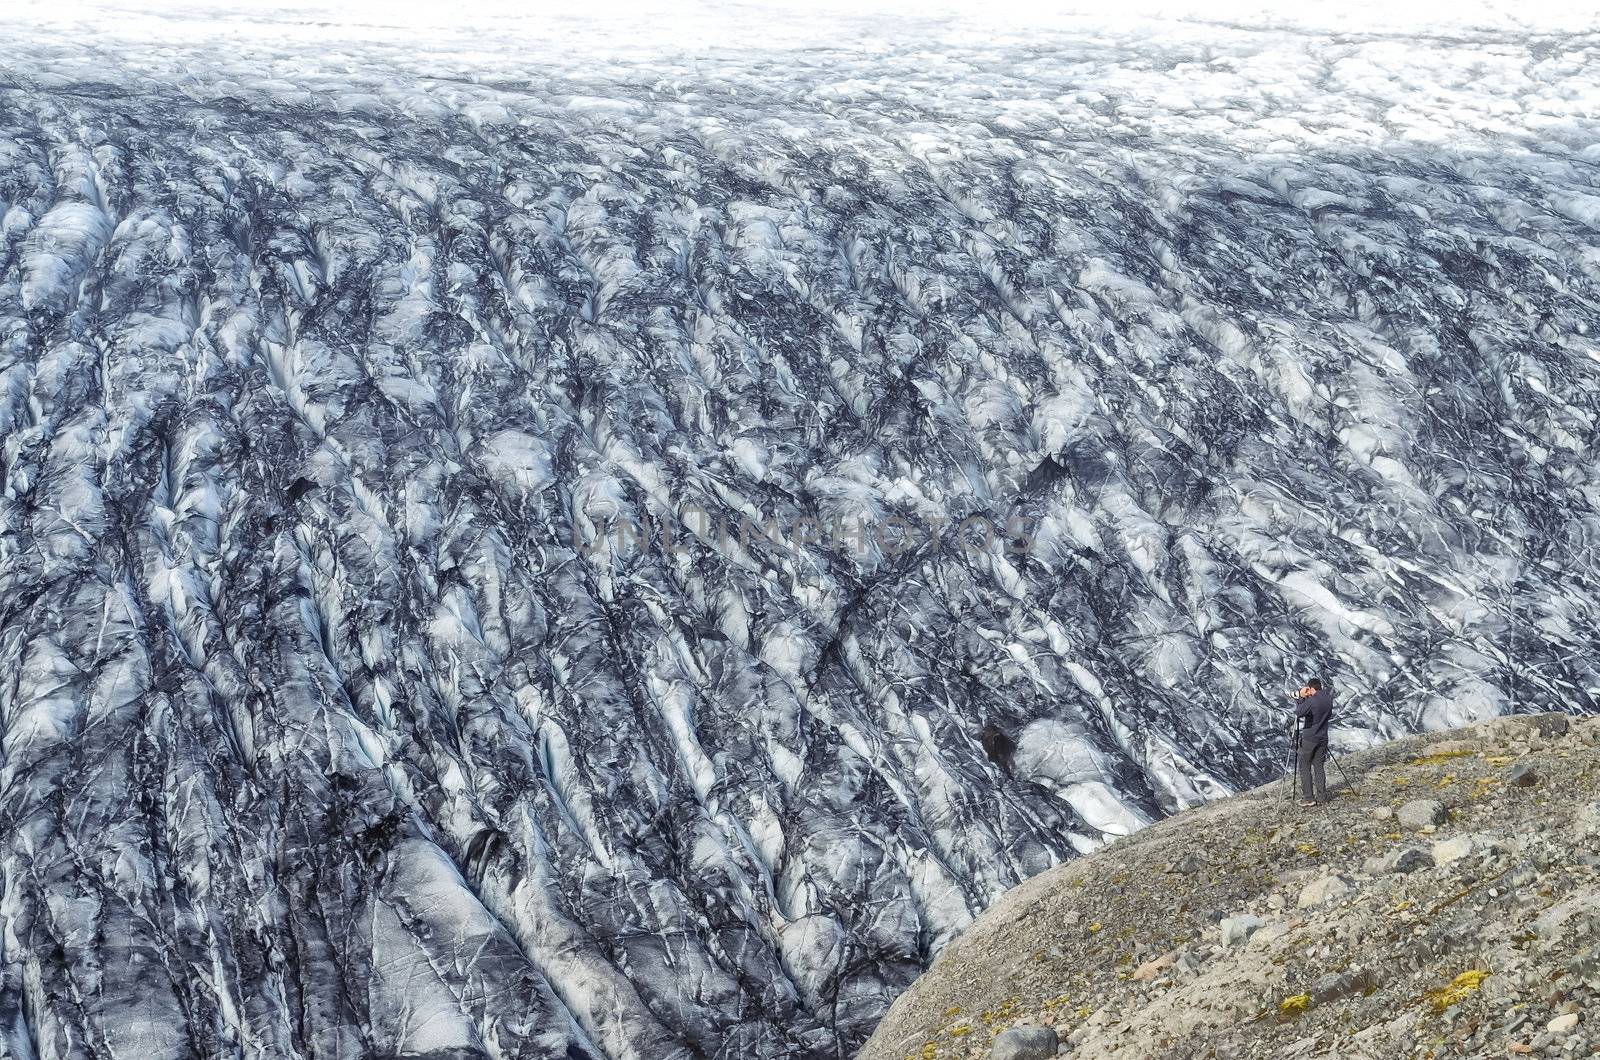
{"x":373,"y":684}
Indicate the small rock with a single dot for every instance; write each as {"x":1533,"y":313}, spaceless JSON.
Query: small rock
{"x":1324,"y":890}
{"x":1584,"y":965}
{"x":1152,"y":968}
{"x":1026,"y":1043}
{"x":1522,"y":775}
{"x":1408,"y":860}
{"x":1187,"y":865}
{"x":1383,"y":813}
{"x":1236,"y":930}
{"x":1563,"y":1024}
{"x":1336,"y":985}
{"x":1273,"y":931}
{"x":1493,"y":846}
{"x":1447,"y":850}
{"x":1422,"y":813}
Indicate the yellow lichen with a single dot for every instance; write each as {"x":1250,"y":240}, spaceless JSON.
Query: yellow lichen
{"x":1293,"y":1006}
{"x":1461,"y":986}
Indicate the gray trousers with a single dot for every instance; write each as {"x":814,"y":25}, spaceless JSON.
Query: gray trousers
{"x":1313,"y":760}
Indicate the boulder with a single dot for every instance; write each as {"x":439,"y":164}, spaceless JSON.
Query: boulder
{"x":1323,"y":890}
{"x":1521,"y":775}
{"x":1026,"y":1043}
{"x":1422,"y":813}
{"x":1447,"y":850}
{"x":1236,"y":930}
{"x":1551,"y":725}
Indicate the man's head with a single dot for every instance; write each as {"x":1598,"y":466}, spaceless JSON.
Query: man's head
{"x":1315,"y":684}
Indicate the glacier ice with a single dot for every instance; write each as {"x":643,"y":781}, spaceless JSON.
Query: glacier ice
{"x":353,"y":703}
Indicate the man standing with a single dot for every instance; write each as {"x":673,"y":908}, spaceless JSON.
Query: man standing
{"x":1313,"y":714}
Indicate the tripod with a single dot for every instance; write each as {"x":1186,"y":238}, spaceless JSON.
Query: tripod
{"x":1294,"y":763}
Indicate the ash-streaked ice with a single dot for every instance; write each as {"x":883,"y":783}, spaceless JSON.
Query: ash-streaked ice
{"x":337,"y":344}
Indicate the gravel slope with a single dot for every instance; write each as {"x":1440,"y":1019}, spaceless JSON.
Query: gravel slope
{"x":1473,"y":937}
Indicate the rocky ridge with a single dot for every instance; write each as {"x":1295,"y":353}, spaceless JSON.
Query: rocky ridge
{"x":1445,"y":904}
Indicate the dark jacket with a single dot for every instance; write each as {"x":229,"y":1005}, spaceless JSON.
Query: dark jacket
{"x":1315,"y":712}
